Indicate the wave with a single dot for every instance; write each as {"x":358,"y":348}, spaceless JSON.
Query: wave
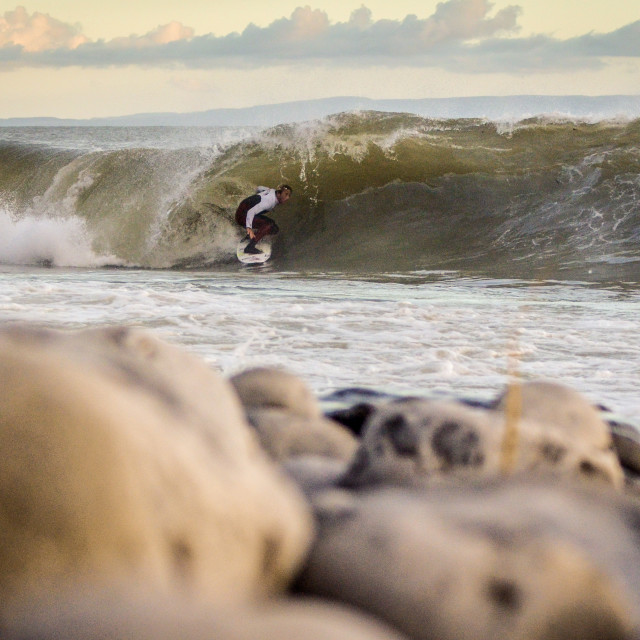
{"x":546,"y":197}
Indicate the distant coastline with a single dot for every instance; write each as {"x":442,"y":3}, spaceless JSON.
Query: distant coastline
{"x":490,"y":107}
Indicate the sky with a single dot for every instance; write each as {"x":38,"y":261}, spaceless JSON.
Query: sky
{"x":73,"y":59}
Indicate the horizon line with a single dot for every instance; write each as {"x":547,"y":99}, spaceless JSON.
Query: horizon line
{"x":316,"y":101}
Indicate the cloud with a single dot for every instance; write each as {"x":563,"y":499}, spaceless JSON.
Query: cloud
{"x":460,"y":35}
{"x":543,"y":53}
{"x":162,"y":35}
{"x":622,"y":42}
{"x":467,"y":19}
{"x":37,"y":32}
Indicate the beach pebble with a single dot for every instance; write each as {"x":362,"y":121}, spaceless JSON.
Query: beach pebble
{"x":414,"y":440}
{"x":285,"y":435}
{"x":265,"y":387}
{"x":128,"y":460}
{"x":501,"y":560}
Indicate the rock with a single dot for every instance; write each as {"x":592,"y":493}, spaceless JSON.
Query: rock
{"x":410,"y":440}
{"x":118,"y":618}
{"x":272,"y":388}
{"x":560,"y":423}
{"x":626,"y":439}
{"x":501,"y":560}
{"x":128,"y":460}
{"x":286,"y":435}
{"x":416,"y":440}
{"x":353,"y":417}
{"x":555,"y":405}
{"x":315,"y":473}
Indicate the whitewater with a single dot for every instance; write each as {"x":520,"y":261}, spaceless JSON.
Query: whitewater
{"x":417,"y":255}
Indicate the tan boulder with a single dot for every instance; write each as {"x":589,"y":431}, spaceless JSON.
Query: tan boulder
{"x":265,"y":387}
{"x":127,"y":460}
{"x":556,"y":405}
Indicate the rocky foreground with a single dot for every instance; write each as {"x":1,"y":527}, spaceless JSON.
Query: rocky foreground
{"x":143,"y":496}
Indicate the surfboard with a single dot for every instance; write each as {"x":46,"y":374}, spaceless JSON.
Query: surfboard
{"x":254,"y":258}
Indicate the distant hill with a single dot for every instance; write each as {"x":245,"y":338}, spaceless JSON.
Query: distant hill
{"x":492,"y":107}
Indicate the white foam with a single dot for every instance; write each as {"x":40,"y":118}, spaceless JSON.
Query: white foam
{"x":339,"y":333}
{"x":508,"y":125}
{"x":62,"y":242}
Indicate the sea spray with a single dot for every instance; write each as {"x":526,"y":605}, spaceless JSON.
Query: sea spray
{"x":60,"y":242}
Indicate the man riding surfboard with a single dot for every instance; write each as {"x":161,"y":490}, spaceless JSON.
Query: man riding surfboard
{"x":250,"y":214}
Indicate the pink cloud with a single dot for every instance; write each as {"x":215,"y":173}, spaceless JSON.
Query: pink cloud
{"x":38,"y":31}
{"x":459,"y":33}
{"x":164,"y":34}
{"x":170,"y":33}
{"x":307,"y":23}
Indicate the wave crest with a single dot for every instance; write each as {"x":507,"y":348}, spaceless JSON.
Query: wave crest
{"x":372,"y":192}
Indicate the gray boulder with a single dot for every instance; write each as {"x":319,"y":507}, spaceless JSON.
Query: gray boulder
{"x":128,"y":615}
{"x":503,"y":560}
{"x":286,"y":435}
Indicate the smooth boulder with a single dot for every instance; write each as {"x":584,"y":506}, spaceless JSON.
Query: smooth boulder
{"x":128,"y":461}
{"x":270,"y":388}
{"x":287,"y":435}
{"x":503,"y":560}
{"x":133,"y":616}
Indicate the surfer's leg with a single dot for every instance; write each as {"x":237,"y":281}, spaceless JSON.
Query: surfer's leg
{"x":263,"y":226}
{"x":241,"y":217}
{"x":241,"y":214}
{"x":258,"y":233}
{"x":260,"y":228}
{"x":251,"y":248}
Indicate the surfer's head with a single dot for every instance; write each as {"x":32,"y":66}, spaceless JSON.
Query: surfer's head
{"x":283,"y":193}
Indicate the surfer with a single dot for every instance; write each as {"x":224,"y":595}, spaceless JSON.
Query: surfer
{"x":250,"y":214}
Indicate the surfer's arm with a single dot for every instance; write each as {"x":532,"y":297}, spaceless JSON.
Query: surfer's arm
{"x":251,"y":214}
{"x":267,"y":202}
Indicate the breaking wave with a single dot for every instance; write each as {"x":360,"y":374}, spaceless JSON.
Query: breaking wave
{"x":373,"y":193}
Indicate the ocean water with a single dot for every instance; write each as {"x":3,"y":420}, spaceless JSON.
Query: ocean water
{"x":416,"y":256}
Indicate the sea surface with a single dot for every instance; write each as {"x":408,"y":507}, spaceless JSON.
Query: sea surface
{"x":416,"y":256}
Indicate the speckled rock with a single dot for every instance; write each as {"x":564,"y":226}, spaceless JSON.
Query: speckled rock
{"x":126,"y":459}
{"x":414,"y":440}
